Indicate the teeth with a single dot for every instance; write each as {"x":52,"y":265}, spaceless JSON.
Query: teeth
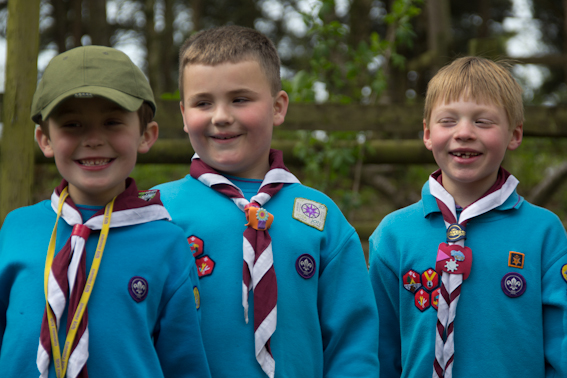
{"x":465,"y":155}
{"x":90,"y":163}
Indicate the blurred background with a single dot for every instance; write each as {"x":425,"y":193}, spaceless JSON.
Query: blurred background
{"x":356,"y":72}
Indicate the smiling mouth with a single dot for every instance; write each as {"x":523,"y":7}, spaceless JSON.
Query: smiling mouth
{"x":94,"y":162}
{"x":465,"y":155}
{"x":224,"y":137}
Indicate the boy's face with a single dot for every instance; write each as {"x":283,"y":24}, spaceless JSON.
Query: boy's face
{"x":95,"y":144}
{"x":229,"y":114}
{"x":468,"y":141}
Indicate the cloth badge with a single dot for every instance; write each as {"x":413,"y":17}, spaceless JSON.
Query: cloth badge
{"x":411,"y":281}
{"x":421,"y":300}
{"x":430,"y":279}
{"x":564,"y":272}
{"x":205,"y":266}
{"x":513,"y":284}
{"x":456,"y":232}
{"x":310,"y":212}
{"x":197,"y":296}
{"x":435,"y":298}
{"x":305,"y":265}
{"x":196,"y":244}
{"x":147,"y":195}
{"x":516,"y":260}
{"x":454,"y":259}
{"x":138,"y":288}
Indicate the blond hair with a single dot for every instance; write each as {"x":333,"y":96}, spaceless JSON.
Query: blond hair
{"x":478,"y":79}
{"x":231,"y":44}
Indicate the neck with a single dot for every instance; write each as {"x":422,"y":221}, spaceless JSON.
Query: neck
{"x":466,"y":193}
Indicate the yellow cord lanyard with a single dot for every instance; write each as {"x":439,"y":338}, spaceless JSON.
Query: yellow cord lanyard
{"x":60,"y":362}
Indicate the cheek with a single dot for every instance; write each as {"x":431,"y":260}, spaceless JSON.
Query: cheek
{"x":194,"y":122}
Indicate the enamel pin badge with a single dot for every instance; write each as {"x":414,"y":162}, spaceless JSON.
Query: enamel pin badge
{"x":454,"y":259}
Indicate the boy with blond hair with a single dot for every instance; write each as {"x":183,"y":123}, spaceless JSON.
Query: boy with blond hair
{"x":249,"y":221}
{"x":137,"y":313}
{"x":472,"y":240}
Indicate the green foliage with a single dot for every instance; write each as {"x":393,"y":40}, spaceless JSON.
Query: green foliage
{"x":350,"y":74}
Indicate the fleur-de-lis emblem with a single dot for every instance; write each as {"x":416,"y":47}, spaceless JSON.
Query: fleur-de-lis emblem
{"x":139,"y":287}
{"x":513,"y":283}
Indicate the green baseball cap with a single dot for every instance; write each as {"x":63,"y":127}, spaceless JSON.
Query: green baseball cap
{"x":89,"y":71}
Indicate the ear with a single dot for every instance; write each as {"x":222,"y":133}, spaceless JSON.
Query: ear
{"x":148,"y":138}
{"x":43,"y":142}
{"x":185,"y":128}
{"x":427,"y":136}
{"x":516,"y":137}
{"x":281,"y":103}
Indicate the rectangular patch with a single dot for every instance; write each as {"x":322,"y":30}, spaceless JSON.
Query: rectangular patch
{"x":310,"y":212}
{"x":516,"y":260}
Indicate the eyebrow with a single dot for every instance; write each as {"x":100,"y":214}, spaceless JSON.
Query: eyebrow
{"x":234,"y":92}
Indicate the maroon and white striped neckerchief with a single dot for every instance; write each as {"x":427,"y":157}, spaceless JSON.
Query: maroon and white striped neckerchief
{"x":451,"y":283}
{"x":68,"y":272}
{"x":258,"y":266}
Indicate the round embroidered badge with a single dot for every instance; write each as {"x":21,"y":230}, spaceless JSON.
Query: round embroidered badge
{"x":513,"y":284}
{"x":305,"y":265}
{"x":138,"y":288}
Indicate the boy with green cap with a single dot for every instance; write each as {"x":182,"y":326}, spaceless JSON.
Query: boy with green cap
{"x":137,"y":313}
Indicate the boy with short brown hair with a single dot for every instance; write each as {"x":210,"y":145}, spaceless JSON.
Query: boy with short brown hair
{"x":136,"y":313}
{"x":472,"y":241}
{"x":319,"y":318}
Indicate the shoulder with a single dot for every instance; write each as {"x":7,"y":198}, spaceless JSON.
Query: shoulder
{"x":400,"y":219}
{"x":529,"y":210}
{"x":29,"y":215}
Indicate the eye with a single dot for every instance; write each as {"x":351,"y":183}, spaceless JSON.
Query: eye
{"x":447,"y":121}
{"x":240,"y":100}
{"x":113,"y":122}
{"x":484,"y":122}
{"x":70,"y":125}
{"x":201,"y":104}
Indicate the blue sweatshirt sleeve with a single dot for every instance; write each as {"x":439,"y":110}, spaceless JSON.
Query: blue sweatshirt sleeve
{"x":554,"y":296}
{"x":349,"y":319}
{"x":178,"y":340}
{"x":385,"y":283}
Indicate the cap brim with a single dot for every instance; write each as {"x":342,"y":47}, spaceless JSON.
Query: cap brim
{"x":124,"y":100}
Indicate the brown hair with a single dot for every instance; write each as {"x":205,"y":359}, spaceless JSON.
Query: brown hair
{"x":232,"y":44}
{"x":479,"y":79}
{"x":145,"y":115}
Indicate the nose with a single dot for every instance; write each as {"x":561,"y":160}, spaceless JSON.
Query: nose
{"x":465,"y":130}
{"x":222,"y":115}
{"x":93,"y":137}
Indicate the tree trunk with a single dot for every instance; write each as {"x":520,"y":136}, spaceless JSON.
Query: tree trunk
{"x":98,"y":27}
{"x":360,"y":21}
{"x":439,"y":24}
{"x":153,"y":47}
{"x":77,"y":22}
{"x":169,"y":84}
{"x":17,"y":154}
{"x":197,"y":7}
{"x":60,"y":29}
